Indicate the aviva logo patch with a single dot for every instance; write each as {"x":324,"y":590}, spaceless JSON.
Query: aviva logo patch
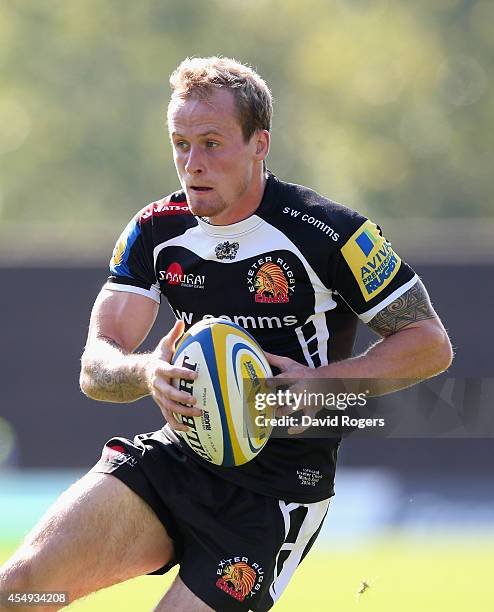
{"x":371,"y":260}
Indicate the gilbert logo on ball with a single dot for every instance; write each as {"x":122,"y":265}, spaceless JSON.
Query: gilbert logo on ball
{"x":231,"y":369}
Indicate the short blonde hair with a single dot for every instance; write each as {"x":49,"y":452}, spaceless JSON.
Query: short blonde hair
{"x":199,"y":76}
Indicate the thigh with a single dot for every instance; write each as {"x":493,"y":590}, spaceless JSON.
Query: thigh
{"x":242,"y":556}
{"x":180,"y":598}
{"x":98,"y":533}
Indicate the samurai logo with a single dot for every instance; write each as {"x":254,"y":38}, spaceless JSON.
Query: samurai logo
{"x":271,"y":284}
{"x":226,"y":250}
{"x":239,"y":579}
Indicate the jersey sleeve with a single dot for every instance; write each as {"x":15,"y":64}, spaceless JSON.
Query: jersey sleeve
{"x":131,"y":266}
{"x":369,"y":274}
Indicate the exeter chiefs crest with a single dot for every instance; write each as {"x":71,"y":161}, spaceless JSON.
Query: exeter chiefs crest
{"x":271,"y":284}
{"x":240,"y":578}
{"x":226,"y":250}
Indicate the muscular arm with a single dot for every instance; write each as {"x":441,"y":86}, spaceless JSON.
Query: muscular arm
{"x":413,"y":306}
{"x":119,"y":323}
{"x":414,"y":346}
{"x":111,"y":372}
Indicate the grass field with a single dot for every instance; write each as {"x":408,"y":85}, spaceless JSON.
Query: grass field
{"x":404,"y":576}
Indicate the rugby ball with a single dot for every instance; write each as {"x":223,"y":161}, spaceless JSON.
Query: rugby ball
{"x":231,"y":367}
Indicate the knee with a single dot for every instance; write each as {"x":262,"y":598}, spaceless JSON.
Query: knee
{"x":24,"y":574}
{"x":21,"y":573}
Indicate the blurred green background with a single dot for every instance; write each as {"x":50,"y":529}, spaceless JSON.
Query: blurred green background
{"x":401,"y":578}
{"x":384,"y":105}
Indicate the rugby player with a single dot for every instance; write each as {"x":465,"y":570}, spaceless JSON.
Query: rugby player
{"x":298,"y":271}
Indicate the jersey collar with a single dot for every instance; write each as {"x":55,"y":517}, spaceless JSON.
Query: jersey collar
{"x":246,"y":225}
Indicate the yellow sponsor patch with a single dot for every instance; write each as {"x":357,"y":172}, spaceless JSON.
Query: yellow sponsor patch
{"x":371,"y":260}
{"x":119,"y":250}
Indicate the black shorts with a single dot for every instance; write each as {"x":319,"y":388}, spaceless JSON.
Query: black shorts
{"x":237,"y":549}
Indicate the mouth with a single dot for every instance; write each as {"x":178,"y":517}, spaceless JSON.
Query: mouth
{"x":200,"y":189}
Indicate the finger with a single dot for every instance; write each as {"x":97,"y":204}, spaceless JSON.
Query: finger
{"x":282,"y":363}
{"x":175,"y":371}
{"x":166,"y":347}
{"x":282,"y":375}
{"x":188,"y":411}
{"x":296,"y":388}
{"x":284,"y":382}
{"x":172,"y":411}
{"x":284,"y":410}
{"x":160,"y":382}
{"x":297,"y":429}
{"x":175,"y":333}
{"x":178,"y":408}
{"x":181,"y":397}
{"x":172,"y":421}
{"x":169,"y":395}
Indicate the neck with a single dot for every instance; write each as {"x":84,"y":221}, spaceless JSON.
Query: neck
{"x":248,"y":202}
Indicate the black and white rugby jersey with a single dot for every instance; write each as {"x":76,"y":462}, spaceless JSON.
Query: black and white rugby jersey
{"x":298,"y":274}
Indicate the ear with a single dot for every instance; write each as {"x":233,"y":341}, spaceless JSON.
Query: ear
{"x":262,"y":139}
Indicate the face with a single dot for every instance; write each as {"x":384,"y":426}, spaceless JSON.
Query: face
{"x":216,"y":167}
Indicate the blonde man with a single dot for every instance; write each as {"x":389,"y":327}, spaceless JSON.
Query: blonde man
{"x":238,"y":534}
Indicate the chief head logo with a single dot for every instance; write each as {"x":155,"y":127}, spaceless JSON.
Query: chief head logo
{"x":241,"y":577}
{"x":271,"y":284}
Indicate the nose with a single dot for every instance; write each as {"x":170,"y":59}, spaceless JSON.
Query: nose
{"x":194,"y":163}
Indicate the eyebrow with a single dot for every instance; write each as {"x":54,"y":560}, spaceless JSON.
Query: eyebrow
{"x":202,"y":134}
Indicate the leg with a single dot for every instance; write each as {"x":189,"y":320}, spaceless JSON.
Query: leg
{"x":98,"y":533}
{"x":180,"y":598}
{"x":242,"y":555}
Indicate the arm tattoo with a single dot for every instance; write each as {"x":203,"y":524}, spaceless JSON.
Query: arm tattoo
{"x":111,"y":375}
{"x":413,"y":305}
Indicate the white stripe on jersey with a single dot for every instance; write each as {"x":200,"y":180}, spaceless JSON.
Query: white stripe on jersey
{"x":305,"y":348}
{"x":154,"y":292}
{"x":365,"y":317}
{"x":322,"y":335}
{"x":311,"y":523}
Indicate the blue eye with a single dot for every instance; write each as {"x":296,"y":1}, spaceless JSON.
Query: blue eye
{"x":211,"y":144}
